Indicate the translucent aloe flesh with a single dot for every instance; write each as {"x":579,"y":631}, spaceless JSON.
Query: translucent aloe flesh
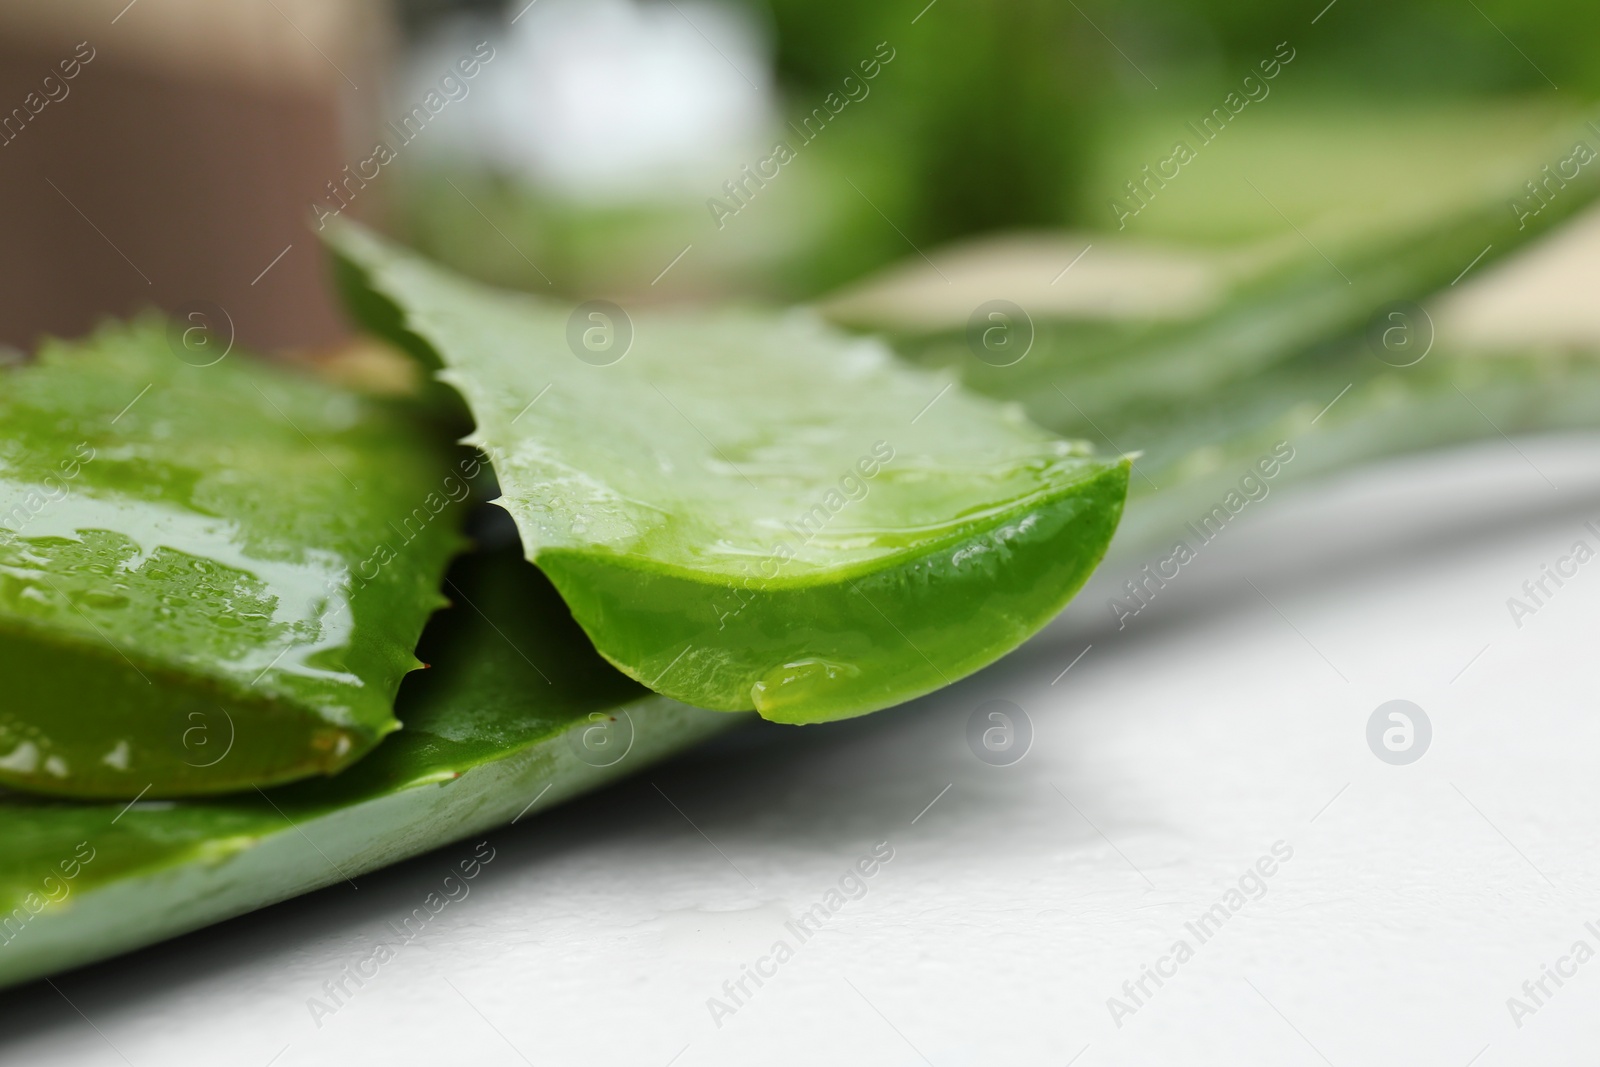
{"x":748,"y":510}
{"x":211,"y":577}
{"x":517,"y":709}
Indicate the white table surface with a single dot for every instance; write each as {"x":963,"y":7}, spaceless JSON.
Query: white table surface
{"x":1164,"y":763}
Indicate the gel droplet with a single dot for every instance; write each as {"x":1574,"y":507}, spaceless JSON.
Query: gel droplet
{"x":798,"y":683}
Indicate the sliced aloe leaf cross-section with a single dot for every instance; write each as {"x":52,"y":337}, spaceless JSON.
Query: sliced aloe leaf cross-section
{"x":748,"y":509}
{"x":211,"y":577}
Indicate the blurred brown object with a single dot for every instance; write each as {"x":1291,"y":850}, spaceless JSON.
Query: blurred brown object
{"x":163,"y":152}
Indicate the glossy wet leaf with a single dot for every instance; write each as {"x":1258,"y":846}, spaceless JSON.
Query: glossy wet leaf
{"x":518,"y":714}
{"x":750,"y":510}
{"x":211,"y":577}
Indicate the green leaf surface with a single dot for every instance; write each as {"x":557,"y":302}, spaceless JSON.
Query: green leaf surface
{"x":211,"y":577}
{"x":518,"y":713}
{"x":508,"y":710}
{"x":1077,"y":372}
{"x":1338,"y":411}
{"x":750,"y":510}
{"x":1285,"y":286}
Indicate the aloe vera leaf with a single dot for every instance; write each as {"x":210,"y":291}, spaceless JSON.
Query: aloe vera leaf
{"x":1296,"y":291}
{"x":488,"y":730}
{"x":517,"y":708}
{"x":1515,"y":349}
{"x":1076,"y":371}
{"x":748,"y":510}
{"x":1338,"y":411}
{"x":211,"y":577}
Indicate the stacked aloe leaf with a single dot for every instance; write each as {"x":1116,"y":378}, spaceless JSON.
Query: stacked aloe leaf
{"x":217,"y":576}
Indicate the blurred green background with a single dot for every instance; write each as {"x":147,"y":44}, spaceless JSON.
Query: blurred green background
{"x":1032,"y":114}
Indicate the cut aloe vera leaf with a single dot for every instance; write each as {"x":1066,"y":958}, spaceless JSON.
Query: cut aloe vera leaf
{"x":517,"y":714}
{"x":211,"y":577}
{"x":748,"y":510}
